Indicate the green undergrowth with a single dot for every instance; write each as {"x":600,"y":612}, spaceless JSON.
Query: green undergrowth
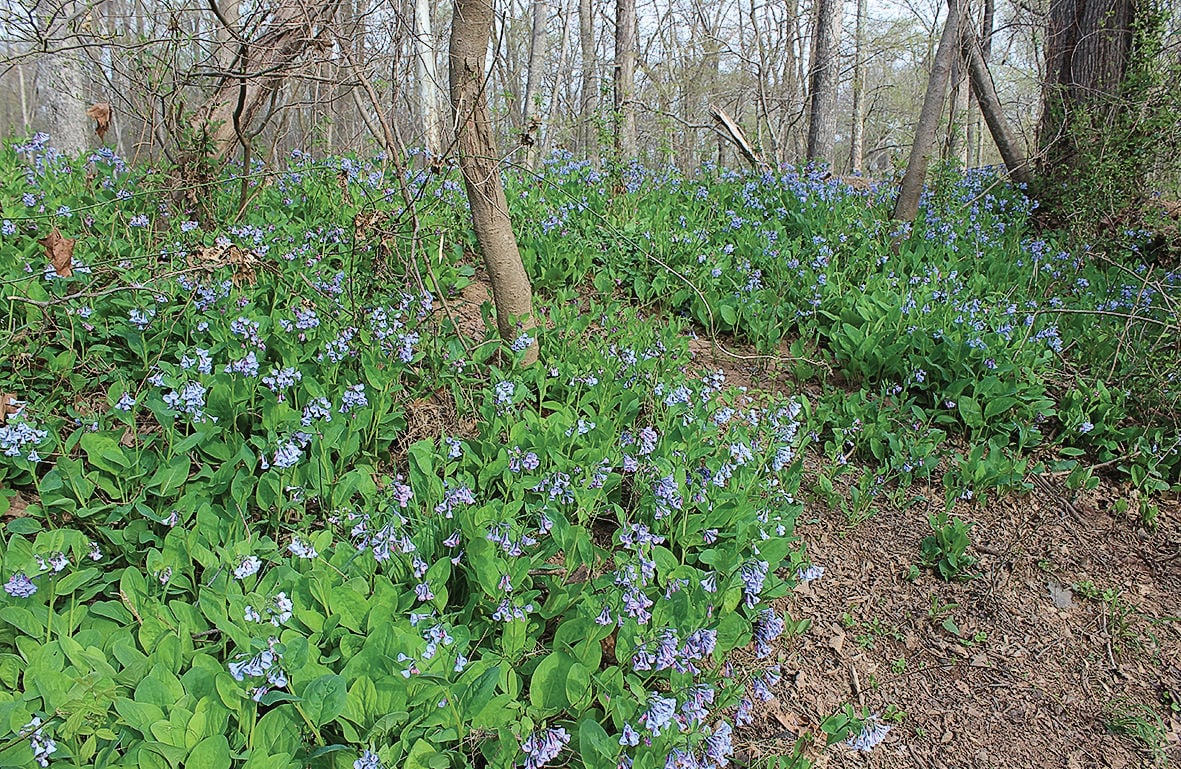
{"x":264,"y":506}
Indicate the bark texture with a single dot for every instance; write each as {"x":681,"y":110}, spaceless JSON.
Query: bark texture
{"x":259,"y":67}
{"x":825,"y":77}
{"x":588,"y":121}
{"x":1087,"y":48}
{"x":61,"y":86}
{"x":985,"y":92}
{"x":625,"y":79}
{"x":925,"y":132}
{"x":857,"y":135}
{"x":512,"y":294}
{"x":428,"y":77}
{"x":532,"y":120}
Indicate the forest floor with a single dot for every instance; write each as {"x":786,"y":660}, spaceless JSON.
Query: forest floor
{"x":1064,"y":651}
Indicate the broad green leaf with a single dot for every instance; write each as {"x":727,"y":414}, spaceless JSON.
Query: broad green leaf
{"x":324,"y":699}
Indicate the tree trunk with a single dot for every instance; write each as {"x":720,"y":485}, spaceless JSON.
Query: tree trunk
{"x":259,"y":68}
{"x":1087,"y":47}
{"x":990,"y":106}
{"x":625,"y":79}
{"x":428,"y":78}
{"x":61,"y":88}
{"x":957,"y":122}
{"x":986,"y":25}
{"x":857,"y":135}
{"x":589,"y":116}
{"x":532,"y":123}
{"x":907,"y":206}
{"x":512,"y":294}
{"x":825,"y":78}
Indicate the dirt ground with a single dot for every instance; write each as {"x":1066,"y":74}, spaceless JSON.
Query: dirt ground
{"x":1071,"y":634}
{"x":1065,"y":647}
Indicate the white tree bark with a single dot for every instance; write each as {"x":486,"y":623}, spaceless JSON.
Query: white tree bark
{"x":428,"y":77}
{"x":61,"y":87}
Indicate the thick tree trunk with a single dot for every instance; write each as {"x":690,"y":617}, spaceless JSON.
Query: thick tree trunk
{"x":907,"y":206}
{"x":259,"y":68}
{"x":471,"y":29}
{"x":990,"y":106}
{"x":61,"y":87}
{"x":428,"y":78}
{"x":1087,"y":48}
{"x":825,"y":78}
{"x":625,"y":79}
{"x":589,"y":117}
{"x":857,"y":135}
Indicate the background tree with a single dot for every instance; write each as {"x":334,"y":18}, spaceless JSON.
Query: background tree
{"x":471,"y":28}
{"x":907,"y":205}
{"x":824,"y":81}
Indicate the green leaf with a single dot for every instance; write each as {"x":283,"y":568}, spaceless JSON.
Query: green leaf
{"x":596,"y":746}
{"x":23,"y":620}
{"x":23,"y":526}
{"x":279,"y":731}
{"x":476,"y":694}
{"x":324,"y":698}
{"x":210,"y":753}
{"x":139,"y":715}
{"x":547,"y":686}
{"x":170,"y":477}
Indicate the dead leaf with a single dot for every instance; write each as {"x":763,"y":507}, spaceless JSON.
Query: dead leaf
{"x":100,"y":112}
{"x":1060,"y":595}
{"x":60,"y":253}
{"x":10,"y":406}
{"x":244,"y":262}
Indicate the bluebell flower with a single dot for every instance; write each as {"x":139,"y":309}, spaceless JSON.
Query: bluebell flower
{"x":521,"y":343}
{"x":300,"y":548}
{"x":20,"y":586}
{"x":141,"y":319}
{"x":247,"y":566}
{"x":873,"y":731}
{"x":543,"y":746}
{"x":43,"y":747}
{"x":126,"y":402}
{"x":368,"y":760}
{"x":353,"y":398}
{"x":660,"y":714}
{"x":7,"y":227}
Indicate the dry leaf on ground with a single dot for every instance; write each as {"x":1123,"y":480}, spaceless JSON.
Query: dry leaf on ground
{"x":60,"y":252}
{"x":10,"y":406}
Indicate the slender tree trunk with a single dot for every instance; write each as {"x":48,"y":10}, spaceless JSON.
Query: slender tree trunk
{"x":532,"y":110}
{"x":857,"y":135}
{"x":825,"y":78}
{"x":986,"y":26}
{"x":907,"y":206}
{"x":428,"y":77}
{"x":546,"y":136}
{"x":625,"y":79}
{"x":957,"y":123}
{"x":990,"y":106}
{"x":471,"y":29}
{"x":589,"y":117}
